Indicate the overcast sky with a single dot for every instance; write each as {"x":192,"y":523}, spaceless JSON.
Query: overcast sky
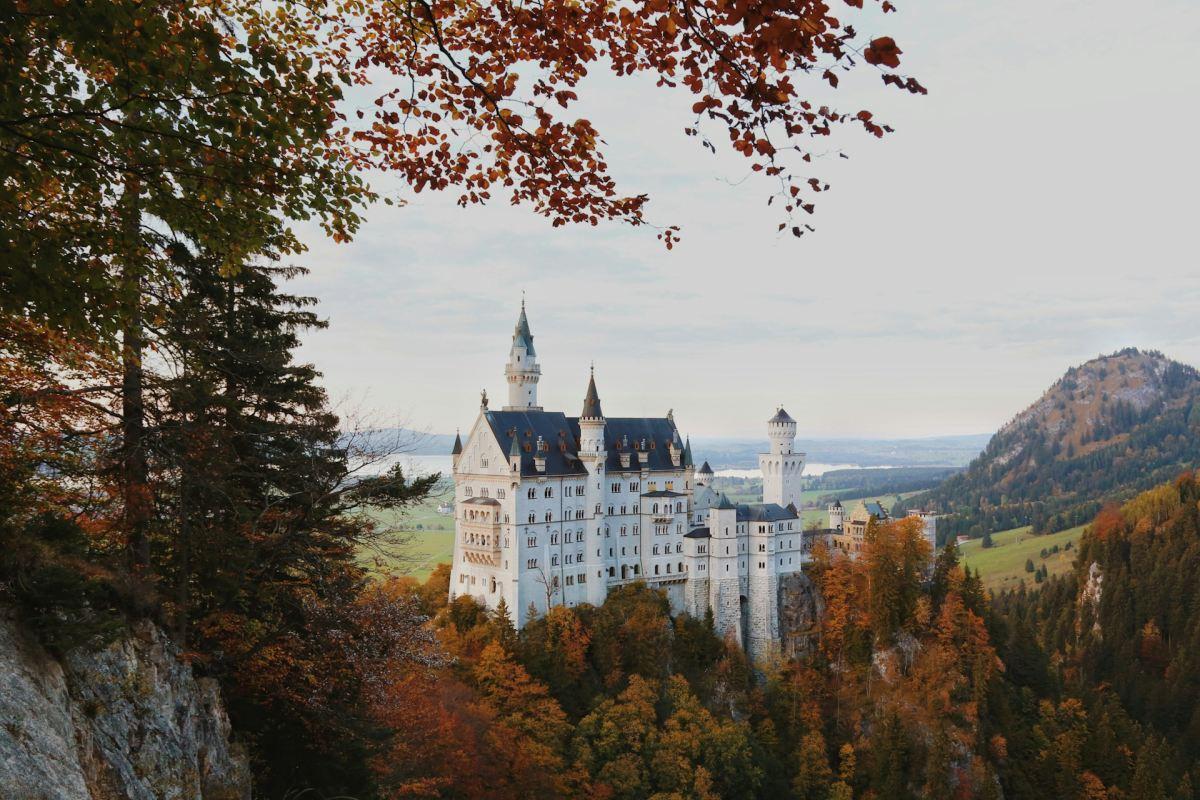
{"x":1037,"y":208}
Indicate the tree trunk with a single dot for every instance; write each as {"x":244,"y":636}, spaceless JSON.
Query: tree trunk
{"x":134,"y":477}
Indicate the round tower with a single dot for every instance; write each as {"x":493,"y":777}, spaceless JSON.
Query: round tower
{"x":591,"y":420}
{"x":781,"y":466}
{"x":836,"y":515}
{"x":781,"y":430}
{"x":522,"y":371}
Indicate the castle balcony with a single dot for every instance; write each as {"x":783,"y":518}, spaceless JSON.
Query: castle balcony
{"x":479,"y":531}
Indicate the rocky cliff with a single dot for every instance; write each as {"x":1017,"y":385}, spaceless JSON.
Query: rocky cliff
{"x":126,"y":721}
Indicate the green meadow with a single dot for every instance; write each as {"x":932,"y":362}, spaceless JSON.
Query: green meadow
{"x":1003,"y":565}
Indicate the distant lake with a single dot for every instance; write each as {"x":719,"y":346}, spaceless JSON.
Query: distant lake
{"x":811,"y":470}
{"x":415,"y":465}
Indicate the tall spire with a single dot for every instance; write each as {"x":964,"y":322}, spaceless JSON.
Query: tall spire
{"x":521,"y":334}
{"x":687,"y":453}
{"x":591,"y":401}
{"x":522,"y":371}
{"x":457,"y":444}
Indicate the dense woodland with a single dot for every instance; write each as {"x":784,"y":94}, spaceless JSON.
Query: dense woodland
{"x":1104,"y":431}
{"x":163,"y":455}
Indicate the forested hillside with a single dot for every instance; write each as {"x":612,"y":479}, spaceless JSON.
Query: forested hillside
{"x":1105,"y":430}
{"x":1116,"y":644}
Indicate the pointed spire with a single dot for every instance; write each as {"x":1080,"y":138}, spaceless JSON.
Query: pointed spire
{"x":705,"y":469}
{"x":687,"y":453}
{"x":724,"y":503}
{"x":591,"y":401}
{"x":515,"y":448}
{"x":522,"y":335}
{"x":457,"y":444}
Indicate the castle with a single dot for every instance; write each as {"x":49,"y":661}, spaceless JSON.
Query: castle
{"x":555,"y":510}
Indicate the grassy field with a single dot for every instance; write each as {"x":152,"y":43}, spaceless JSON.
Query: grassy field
{"x":428,"y":540}
{"x":1003,"y":564}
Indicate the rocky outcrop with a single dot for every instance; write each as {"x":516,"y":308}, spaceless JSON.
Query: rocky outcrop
{"x":1089,"y":600}
{"x":126,"y":721}
{"x":800,"y":607}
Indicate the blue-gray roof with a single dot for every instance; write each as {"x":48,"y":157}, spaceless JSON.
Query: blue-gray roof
{"x":651,"y":436}
{"x":521,"y":334}
{"x":763,"y":512}
{"x":698,"y":533}
{"x":781,"y":416}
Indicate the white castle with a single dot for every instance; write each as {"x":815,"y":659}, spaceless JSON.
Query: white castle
{"x":555,"y":510}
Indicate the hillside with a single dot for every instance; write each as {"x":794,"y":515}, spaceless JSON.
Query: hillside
{"x":1105,"y":430}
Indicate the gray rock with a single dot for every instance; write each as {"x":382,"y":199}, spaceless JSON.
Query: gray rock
{"x":126,"y":722}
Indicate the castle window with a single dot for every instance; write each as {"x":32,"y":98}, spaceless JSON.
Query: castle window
{"x":668,"y":569}
{"x":531,"y":541}
{"x":679,"y":547}
{"x":633,"y":487}
{"x":622,"y":509}
{"x":554,"y":538}
{"x":531,"y":563}
{"x":670,"y":486}
{"x":681,"y":566}
{"x":547,"y":516}
{"x":532,"y":517}
{"x":655,"y":549}
{"x":570,"y":580}
{"x":610,"y":511}
{"x":483,"y":492}
{"x":483,"y":462}
{"x":532,"y":492}
{"x":554,"y":561}
{"x":612,"y":572}
{"x":637,"y":569}
{"x":597,"y":509}
{"x":656,"y":569}
{"x":616,"y":488}
{"x":655,"y":511}
{"x":549,"y":492}
{"x":470,"y":492}
{"x":622,"y":530}
{"x":568,"y":491}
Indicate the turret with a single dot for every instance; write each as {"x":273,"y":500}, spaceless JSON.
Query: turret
{"x":836,"y":515}
{"x":704,"y":475}
{"x":781,"y":430}
{"x":591,"y":420}
{"x":522,"y":371}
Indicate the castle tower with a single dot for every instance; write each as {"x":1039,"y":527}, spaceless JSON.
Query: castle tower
{"x":704,"y":475}
{"x":762,"y":636}
{"x":837,"y":515}
{"x":724,"y":581}
{"x":593,"y":454}
{"x":781,"y":467}
{"x":522,"y":371}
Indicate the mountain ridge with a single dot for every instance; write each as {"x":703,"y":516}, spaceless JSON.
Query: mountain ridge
{"x":1109,"y":427}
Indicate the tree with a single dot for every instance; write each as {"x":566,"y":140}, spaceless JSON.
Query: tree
{"x":813,"y":773}
{"x":987,"y":539}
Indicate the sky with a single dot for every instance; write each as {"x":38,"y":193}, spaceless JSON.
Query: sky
{"x":1037,"y":208}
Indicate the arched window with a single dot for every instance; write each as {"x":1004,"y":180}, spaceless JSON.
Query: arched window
{"x":532,"y":517}
{"x":547,"y":516}
{"x":549,"y":492}
{"x":532,"y":493}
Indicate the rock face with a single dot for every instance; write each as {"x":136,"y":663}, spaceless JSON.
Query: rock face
{"x":127,"y":721}
{"x":800,"y":606}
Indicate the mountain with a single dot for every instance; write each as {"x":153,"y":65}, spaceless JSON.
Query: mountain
{"x":1105,"y":430}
